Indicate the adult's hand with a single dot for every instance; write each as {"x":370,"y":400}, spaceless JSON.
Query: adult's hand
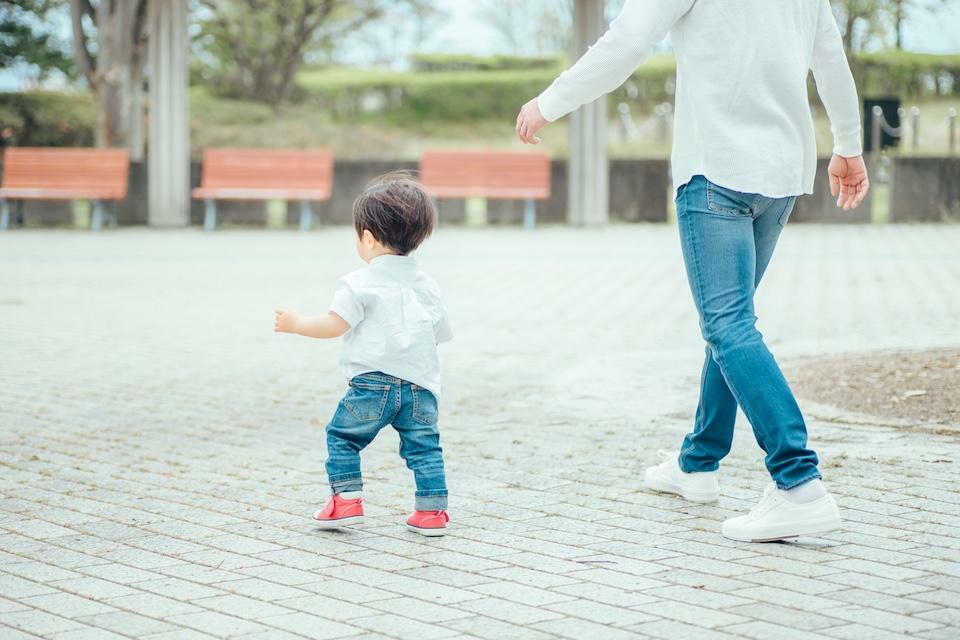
{"x":529,"y":122}
{"x":848,"y":181}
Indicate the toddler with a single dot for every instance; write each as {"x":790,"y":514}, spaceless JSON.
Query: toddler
{"x":392,"y":319}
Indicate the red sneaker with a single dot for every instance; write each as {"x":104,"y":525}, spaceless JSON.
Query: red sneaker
{"x":340,"y":512}
{"x":429,"y":523}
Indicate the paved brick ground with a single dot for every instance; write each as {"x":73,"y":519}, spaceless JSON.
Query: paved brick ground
{"x":161,"y":448}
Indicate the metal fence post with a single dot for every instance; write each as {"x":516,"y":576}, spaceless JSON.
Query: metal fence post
{"x":952,"y":126}
{"x":663,"y":112}
{"x":915,"y":126}
{"x":875,"y":131}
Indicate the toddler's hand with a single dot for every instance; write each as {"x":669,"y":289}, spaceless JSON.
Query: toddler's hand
{"x":286,"y":321}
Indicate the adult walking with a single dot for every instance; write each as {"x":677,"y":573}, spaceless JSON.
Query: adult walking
{"x":743,"y":149}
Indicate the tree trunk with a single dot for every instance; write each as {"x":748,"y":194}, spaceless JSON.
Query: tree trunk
{"x":848,"y":30}
{"x":119,"y":78}
{"x":898,"y":19}
{"x":135,"y":137}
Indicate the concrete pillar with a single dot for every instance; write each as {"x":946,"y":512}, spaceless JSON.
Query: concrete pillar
{"x":168,"y":164}
{"x":589,"y":181}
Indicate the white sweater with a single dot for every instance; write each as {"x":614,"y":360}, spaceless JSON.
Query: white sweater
{"x":742,"y":113}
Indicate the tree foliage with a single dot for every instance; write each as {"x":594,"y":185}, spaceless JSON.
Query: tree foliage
{"x":254,"y":48}
{"x":25,"y":37}
{"x":878,"y":23}
{"x":530,"y":27}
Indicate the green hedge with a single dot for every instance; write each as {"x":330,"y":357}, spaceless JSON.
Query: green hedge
{"x":493,"y":89}
{"x":402,"y":97}
{"x":906,"y":74}
{"x":47,"y":119}
{"x":432,"y":62}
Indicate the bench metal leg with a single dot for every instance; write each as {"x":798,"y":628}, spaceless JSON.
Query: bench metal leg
{"x":210,"y":215}
{"x":96,"y":220}
{"x":436,"y":212}
{"x":529,"y":214}
{"x":4,"y":215}
{"x":306,"y":216}
{"x":112,"y":214}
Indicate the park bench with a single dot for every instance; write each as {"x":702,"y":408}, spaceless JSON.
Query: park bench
{"x":33,"y":173}
{"x":265,"y":174}
{"x":501,"y":175}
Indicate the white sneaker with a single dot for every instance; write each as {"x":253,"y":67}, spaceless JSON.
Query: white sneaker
{"x":776,"y":519}
{"x":667,"y":477}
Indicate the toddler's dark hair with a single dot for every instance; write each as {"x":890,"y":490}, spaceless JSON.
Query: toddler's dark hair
{"x":396,"y":210}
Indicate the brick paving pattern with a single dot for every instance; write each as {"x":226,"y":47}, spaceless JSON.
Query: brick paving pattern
{"x":162,"y":449}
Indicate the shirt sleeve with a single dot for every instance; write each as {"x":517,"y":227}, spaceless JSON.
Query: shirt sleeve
{"x":442,"y":330}
{"x":346,"y":305}
{"x":835,"y":84}
{"x":608,"y":63}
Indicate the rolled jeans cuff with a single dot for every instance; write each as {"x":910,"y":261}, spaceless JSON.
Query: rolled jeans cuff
{"x":436,"y":502}
{"x":343,"y":484}
{"x":796,"y":483}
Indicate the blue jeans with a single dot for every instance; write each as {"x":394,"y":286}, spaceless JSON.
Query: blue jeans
{"x":373,"y":401}
{"x":728,"y":238}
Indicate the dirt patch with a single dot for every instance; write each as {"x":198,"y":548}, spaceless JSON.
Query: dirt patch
{"x":919,"y":386}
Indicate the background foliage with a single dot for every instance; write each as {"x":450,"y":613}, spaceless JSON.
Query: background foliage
{"x":25,"y":38}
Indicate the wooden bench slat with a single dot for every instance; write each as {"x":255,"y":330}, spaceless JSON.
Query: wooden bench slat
{"x":493,"y":174}
{"x":270,"y":172}
{"x":46,"y":193}
{"x":65,"y":173}
{"x":234,"y":193}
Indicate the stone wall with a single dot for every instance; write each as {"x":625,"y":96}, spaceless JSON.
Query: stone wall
{"x":925,"y":190}
{"x":820,"y":206}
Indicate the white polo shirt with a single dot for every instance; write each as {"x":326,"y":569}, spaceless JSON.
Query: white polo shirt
{"x":742,"y":112}
{"x":396,"y":321}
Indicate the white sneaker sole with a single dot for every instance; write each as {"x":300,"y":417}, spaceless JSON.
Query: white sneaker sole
{"x":430,"y":533}
{"x":784,"y":532}
{"x":338,"y":523}
{"x":662,"y":486}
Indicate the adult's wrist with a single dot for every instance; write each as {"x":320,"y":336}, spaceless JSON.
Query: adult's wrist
{"x":549,"y":106}
{"x":847,"y":145}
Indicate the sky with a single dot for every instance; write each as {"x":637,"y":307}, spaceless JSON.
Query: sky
{"x":463,"y":30}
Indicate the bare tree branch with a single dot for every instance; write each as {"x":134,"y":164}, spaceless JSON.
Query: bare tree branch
{"x":139,"y":33}
{"x":85,"y":62}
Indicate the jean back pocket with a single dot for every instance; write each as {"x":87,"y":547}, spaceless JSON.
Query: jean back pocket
{"x":424,"y":409}
{"x":366,"y":401}
{"x":727,"y":202}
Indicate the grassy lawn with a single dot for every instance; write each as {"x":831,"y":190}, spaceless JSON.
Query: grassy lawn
{"x":223,"y":122}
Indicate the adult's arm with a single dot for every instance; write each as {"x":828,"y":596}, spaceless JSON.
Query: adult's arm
{"x":608,"y":63}
{"x":831,"y":71}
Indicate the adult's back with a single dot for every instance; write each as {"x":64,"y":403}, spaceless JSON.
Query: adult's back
{"x":742,"y":112}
